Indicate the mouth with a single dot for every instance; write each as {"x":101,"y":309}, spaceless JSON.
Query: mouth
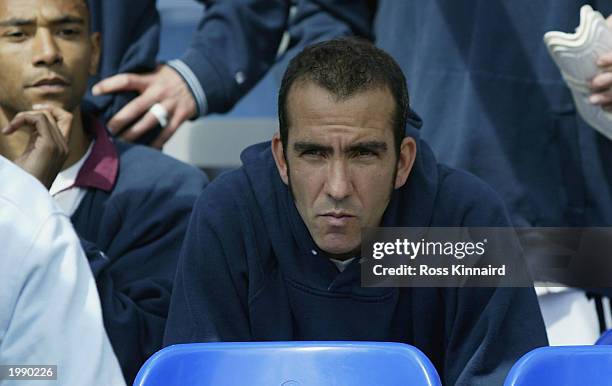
{"x":337,"y":218}
{"x":50,"y":85}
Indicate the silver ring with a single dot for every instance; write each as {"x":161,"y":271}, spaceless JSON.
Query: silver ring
{"x":160,"y":113}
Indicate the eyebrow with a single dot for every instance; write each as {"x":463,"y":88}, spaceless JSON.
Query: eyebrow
{"x":17,"y":22}
{"x":306,"y":145}
{"x":367,"y":145}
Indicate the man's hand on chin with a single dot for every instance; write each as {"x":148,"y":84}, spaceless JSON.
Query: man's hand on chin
{"x":48,"y":147}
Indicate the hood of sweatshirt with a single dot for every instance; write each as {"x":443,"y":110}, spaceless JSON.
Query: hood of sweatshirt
{"x":297,"y":253}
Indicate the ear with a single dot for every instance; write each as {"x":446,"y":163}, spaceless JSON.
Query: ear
{"x":405,"y":161}
{"x":279,"y":157}
{"x":96,"y":48}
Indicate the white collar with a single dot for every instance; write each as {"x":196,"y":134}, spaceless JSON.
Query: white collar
{"x":66,"y":178}
{"x":342,"y":264}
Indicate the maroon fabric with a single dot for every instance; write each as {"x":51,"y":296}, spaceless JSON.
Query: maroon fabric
{"x":101,"y":167}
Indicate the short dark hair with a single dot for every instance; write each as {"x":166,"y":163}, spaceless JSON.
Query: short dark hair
{"x":345,"y":67}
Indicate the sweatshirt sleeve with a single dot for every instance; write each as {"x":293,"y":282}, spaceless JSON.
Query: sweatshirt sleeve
{"x":234,"y":45}
{"x":488,"y":329}
{"x":491,"y":329}
{"x":209,"y":301}
{"x":318,"y":20}
{"x":237,"y":42}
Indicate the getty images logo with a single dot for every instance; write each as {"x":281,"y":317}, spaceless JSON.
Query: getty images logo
{"x":412,"y":249}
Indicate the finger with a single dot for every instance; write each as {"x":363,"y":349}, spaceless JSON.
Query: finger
{"x":601,"y":98}
{"x":121,"y":82}
{"x":168,"y":132}
{"x":52,"y":121}
{"x":32,"y":138}
{"x":55,"y":133}
{"x":605,"y":59}
{"x":61,"y":116}
{"x":130,"y":112}
{"x":46,"y":150}
{"x":607,"y":68}
{"x":51,"y":124}
{"x":146,"y":123}
{"x":178,"y":117}
{"x":602,"y":81}
{"x":15,"y":125}
{"x":44,"y":135}
{"x":34,"y":123}
{"x":609,"y":21}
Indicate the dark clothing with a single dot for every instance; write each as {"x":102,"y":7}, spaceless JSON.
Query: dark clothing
{"x":235,"y":44}
{"x":130,"y":41}
{"x":494,"y":103}
{"x":222,"y":46}
{"x":132,"y":234}
{"x":492,"y":100}
{"x":249,"y":271}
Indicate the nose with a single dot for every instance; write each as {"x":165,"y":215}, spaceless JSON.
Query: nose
{"x":45,"y":49}
{"x":338,"y":185}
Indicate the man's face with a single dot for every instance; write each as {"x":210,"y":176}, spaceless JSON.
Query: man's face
{"x":46,"y":53}
{"x":341,"y":163}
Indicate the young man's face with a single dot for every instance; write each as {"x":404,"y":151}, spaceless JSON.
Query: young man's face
{"x":341,"y":163}
{"x":46,"y":53}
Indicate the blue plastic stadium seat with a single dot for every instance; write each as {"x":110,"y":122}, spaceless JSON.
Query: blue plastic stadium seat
{"x":288,"y":364}
{"x":605,"y":338}
{"x":563,"y":366}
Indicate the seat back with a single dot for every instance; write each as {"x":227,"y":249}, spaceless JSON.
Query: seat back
{"x":288,"y":364}
{"x":563,"y":366}
{"x":605,"y":338}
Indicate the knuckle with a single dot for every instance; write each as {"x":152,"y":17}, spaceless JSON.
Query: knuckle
{"x":124,"y":80}
{"x":26,"y":115}
{"x":51,"y":147}
{"x":159,"y":91}
{"x":39,"y":117}
{"x":141,"y":104}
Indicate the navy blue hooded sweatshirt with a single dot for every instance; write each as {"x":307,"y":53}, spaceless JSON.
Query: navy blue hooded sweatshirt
{"x":132,"y":236}
{"x":247,"y":272}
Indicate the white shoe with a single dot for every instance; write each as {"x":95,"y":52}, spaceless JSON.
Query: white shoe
{"x":575,"y":54}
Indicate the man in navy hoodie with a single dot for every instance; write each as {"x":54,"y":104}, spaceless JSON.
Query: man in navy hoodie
{"x":271,"y":252}
{"x":128,"y":204}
